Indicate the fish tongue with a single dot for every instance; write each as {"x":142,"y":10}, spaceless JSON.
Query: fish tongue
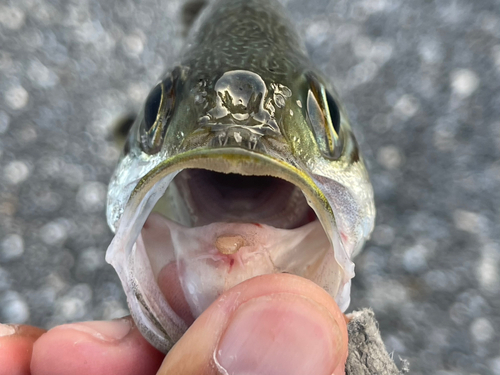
{"x":215,"y":257}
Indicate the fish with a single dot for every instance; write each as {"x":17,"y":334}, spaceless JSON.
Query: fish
{"x":241,"y":162}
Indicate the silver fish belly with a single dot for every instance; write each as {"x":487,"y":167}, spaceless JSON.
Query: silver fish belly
{"x":242,"y":162}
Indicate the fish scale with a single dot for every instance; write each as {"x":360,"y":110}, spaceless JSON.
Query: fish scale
{"x":254,"y":36}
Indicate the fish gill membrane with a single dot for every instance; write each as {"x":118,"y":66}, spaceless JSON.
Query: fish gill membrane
{"x":228,"y":174}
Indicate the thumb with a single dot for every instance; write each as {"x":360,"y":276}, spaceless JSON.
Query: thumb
{"x":268,"y":325}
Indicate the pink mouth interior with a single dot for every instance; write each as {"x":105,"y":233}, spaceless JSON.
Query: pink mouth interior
{"x":218,"y":197}
{"x":236,"y":227}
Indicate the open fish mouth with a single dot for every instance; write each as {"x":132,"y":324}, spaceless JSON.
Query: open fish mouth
{"x":196,"y":227}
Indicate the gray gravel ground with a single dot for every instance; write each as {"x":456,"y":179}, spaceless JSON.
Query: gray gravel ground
{"x":421,"y":82}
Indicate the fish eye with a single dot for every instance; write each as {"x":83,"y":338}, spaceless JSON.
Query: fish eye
{"x":157,"y":113}
{"x":152,"y":107}
{"x":334,"y":112}
{"x":324,"y":118}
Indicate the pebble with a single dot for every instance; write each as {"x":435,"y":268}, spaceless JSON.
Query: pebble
{"x":390,"y":157}
{"x":54,"y":233}
{"x":464,"y":82}
{"x":13,"y":308}
{"x":16,"y":97}
{"x":92,"y":196}
{"x":407,"y":106}
{"x":16,"y":172}
{"x":482,"y":330}
{"x":12,"y":247}
{"x":11,"y":17}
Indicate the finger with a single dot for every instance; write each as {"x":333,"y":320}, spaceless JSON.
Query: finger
{"x":272,"y":324}
{"x":114,"y":347}
{"x":16,"y":345}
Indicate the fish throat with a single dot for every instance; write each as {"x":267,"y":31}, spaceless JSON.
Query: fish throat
{"x":208,"y":197}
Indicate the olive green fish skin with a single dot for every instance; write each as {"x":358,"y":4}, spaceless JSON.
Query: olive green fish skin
{"x":251,"y":36}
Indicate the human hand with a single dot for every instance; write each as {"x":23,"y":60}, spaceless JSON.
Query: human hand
{"x":272,"y":324}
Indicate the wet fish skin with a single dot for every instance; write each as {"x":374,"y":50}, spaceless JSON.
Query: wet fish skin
{"x":245,"y":98}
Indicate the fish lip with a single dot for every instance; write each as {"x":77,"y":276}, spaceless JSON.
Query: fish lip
{"x":235,"y":160}
{"x":228,"y":160}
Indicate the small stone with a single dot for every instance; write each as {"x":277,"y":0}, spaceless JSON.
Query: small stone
{"x":469,"y":221}
{"x":14,"y":309}
{"x":430,"y":51}
{"x":16,"y":172}
{"x":27,"y":135}
{"x":91,"y":259}
{"x":362,"y":47}
{"x":390,"y":157}
{"x":70,"y":308}
{"x":487,"y":269}
{"x":54,"y":233}
{"x":75,"y":304}
{"x":464,"y":82}
{"x":12,"y":247}
{"x":138,"y":92}
{"x":16,"y":97}
{"x":133,"y":44}
{"x":414,"y":259}
{"x":41,"y":75}
{"x":362,"y":73}
{"x":381,"y":51}
{"x":11,"y":17}
{"x":92,"y":196}
{"x":482,"y":330}
{"x":407,"y":106}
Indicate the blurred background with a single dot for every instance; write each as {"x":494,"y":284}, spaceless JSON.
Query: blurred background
{"x":421,"y":82}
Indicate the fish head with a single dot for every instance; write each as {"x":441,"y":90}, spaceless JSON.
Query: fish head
{"x":230,"y":175}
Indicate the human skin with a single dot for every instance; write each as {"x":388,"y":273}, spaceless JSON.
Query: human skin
{"x":268,"y":325}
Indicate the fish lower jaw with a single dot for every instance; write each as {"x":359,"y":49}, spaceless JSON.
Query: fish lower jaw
{"x":172,"y":268}
{"x":211,"y":259}
{"x":173,"y":273}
